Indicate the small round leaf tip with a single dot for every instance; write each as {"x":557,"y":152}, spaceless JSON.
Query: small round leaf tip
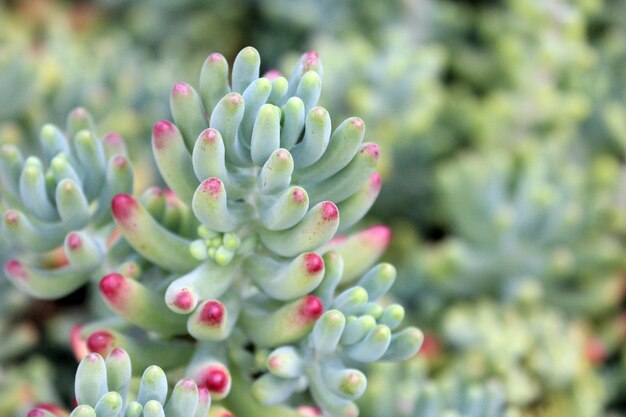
{"x":212,"y":313}
{"x":100,"y":341}
{"x":311,"y":308}
{"x":314,"y":263}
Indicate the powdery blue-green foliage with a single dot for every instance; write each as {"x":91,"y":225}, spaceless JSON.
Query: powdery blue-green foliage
{"x":57,"y":206}
{"x":238,"y":253}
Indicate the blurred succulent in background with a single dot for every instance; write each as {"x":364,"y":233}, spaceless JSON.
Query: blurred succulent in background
{"x":542,"y":222}
{"x":181,"y":29}
{"x":347,"y":17}
{"x":545,"y":362}
{"x":16,"y":82}
{"x":54,"y":232}
{"x":605,"y":85}
{"x":517,"y":71}
{"x":25,"y":386}
{"x":17,"y":334}
{"x":406,"y":390}
{"x":299,"y":22}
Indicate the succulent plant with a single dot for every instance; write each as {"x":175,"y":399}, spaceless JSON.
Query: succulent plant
{"x":238,"y":253}
{"x":102,"y":390}
{"x":58,"y":214}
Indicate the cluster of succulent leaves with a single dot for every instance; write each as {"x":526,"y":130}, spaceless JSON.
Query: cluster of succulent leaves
{"x":102,"y":388}
{"x":258,"y":181}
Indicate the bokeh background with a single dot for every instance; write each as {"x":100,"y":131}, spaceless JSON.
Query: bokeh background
{"x":503,"y":129}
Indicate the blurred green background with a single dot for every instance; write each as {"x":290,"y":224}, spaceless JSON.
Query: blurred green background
{"x":503,"y":129}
